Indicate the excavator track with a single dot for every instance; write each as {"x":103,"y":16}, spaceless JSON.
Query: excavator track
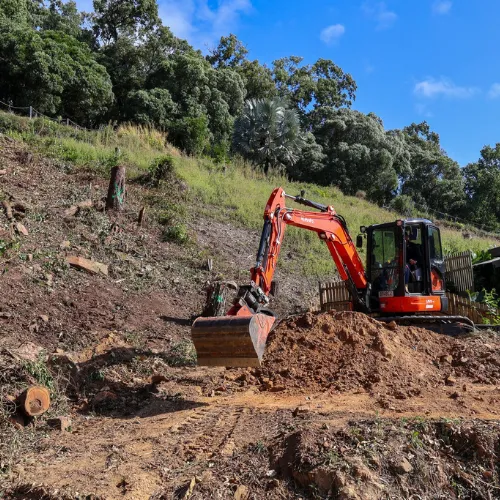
{"x":448,"y":325}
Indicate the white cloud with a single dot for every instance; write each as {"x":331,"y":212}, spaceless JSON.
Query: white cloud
{"x":332,"y":33}
{"x":442,"y":6}
{"x":494,"y":92}
{"x":201,"y":24}
{"x":378,"y":11}
{"x":443,"y":87}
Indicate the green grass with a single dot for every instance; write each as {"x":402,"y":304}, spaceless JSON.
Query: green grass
{"x":239,"y":194}
{"x":236,"y":193}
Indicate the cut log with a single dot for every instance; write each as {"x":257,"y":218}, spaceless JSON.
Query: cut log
{"x":142,"y":214}
{"x":116,"y":191}
{"x":34,"y":401}
{"x":85,"y":204}
{"x":87,"y":265}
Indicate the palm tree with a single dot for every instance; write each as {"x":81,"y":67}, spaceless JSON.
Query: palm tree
{"x":268,"y":134}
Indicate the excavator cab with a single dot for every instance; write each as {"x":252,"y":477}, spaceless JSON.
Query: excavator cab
{"x":405,"y":267}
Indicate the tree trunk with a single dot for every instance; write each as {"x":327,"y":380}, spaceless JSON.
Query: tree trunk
{"x":142,"y":213}
{"x":116,"y":190}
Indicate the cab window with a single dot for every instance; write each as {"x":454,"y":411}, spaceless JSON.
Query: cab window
{"x":384,"y":259}
{"x":435,"y":249}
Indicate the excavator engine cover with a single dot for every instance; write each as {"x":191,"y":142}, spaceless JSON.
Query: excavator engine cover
{"x":232,"y":341}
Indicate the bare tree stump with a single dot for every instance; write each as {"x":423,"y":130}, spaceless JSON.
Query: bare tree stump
{"x":116,"y":191}
{"x":34,"y":401}
{"x":142,"y":214}
{"x":7,"y":209}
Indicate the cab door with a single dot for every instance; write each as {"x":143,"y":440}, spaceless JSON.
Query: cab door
{"x":385,"y":259}
{"x":436,"y":273}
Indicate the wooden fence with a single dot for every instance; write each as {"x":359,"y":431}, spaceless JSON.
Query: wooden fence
{"x":459,"y":275}
{"x":461,"y":306}
{"x":335,"y":295}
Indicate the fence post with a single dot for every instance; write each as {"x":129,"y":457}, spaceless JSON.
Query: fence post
{"x":67,"y":122}
{"x":31,"y":112}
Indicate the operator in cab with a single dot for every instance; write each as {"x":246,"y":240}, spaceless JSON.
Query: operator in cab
{"x":413,"y":258}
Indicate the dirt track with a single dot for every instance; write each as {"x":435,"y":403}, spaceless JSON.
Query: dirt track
{"x":152,"y":439}
{"x":167,"y":443}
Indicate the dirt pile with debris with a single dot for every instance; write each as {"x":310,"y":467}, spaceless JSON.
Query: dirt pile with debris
{"x":392,"y":459}
{"x":343,"y":351}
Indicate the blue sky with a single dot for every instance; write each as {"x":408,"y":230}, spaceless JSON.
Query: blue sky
{"x":413,"y":60}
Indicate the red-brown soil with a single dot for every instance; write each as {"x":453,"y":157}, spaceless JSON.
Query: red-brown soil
{"x":343,"y":351}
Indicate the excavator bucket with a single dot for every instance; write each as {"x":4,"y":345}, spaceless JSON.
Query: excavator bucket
{"x":231,"y":341}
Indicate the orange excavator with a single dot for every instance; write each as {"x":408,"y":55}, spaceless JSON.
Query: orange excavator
{"x":404,"y":278}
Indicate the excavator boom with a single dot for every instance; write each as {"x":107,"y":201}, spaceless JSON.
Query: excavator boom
{"x":238,"y":339}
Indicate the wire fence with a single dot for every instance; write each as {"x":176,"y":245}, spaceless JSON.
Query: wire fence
{"x":32,"y":112}
{"x":430,"y":213}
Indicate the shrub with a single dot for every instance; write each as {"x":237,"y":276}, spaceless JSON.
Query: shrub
{"x":177,"y":233}
{"x":403,"y":204}
{"x":162,"y":169}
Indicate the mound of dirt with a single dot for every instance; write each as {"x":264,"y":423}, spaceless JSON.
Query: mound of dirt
{"x":343,"y":351}
{"x":393,"y":459}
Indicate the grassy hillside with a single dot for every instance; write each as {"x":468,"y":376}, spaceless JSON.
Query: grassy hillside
{"x":234,"y":193}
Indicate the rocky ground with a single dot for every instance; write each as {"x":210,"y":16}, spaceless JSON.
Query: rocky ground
{"x":343,"y":406}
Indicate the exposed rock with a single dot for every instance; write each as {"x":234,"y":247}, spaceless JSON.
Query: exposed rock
{"x":403,"y":466}
{"x":21,"y":229}
{"x":60,"y":423}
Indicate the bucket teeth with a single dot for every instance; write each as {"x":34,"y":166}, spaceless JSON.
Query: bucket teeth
{"x":231,"y":341}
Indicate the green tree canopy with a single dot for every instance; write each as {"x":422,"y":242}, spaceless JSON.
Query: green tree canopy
{"x":229,"y":53}
{"x":53,"y":72}
{"x":482,"y":187}
{"x":435,"y":181}
{"x":361,"y":155}
{"x":114,"y":18}
{"x":324,"y":84}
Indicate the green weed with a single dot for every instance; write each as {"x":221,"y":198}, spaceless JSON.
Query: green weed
{"x":176,"y":233}
{"x":259,"y":447}
{"x":416,"y":440}
{"x":40,"y":372}
{"x":332,"y":458}
{"x":182,"y":353}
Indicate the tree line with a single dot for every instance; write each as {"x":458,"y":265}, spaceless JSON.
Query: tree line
{"x":120,"y":63}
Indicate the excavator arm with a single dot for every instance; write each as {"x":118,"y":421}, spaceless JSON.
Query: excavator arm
{"x":238,"y":339}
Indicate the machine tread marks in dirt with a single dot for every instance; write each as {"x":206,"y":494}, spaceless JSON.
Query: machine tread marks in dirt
{"x":388,"y":287}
